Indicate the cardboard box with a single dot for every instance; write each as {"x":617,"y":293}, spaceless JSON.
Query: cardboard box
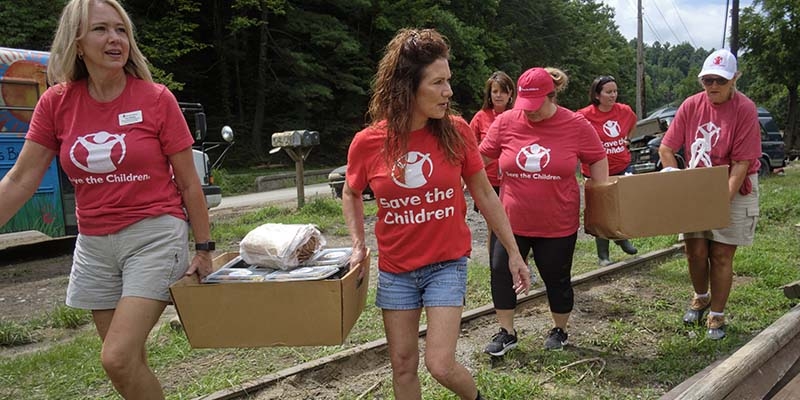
{"x":658,"y":203}
{"x":262,"y":314}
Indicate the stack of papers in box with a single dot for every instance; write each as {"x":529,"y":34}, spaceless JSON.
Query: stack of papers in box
{"x":323,"y":264}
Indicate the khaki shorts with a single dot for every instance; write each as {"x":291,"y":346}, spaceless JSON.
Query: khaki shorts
{"x":141,"y":260}
{"x":744,"y":217}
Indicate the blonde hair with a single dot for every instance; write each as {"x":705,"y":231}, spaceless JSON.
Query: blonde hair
{"x":66,"y":66}
{"x":560,"y":79}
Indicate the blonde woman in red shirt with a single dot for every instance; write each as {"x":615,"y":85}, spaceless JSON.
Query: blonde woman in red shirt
{"x":123,"y":143}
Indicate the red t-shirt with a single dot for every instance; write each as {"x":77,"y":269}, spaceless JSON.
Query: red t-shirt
{"x":540,"y":192}
{"x":613,"y":128}
{"x":716,"y":134}
{"x":115,"y":153}
{"x":421,"y":205}
{"x":480,"y":126}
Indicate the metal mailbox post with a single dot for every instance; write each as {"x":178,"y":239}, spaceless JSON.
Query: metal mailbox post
{"x":297,"y":144}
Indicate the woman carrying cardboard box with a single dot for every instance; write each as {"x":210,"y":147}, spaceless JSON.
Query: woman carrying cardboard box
{"x":719,"y":126}
{"x":613,"y":123}
{"x":126,"y":148}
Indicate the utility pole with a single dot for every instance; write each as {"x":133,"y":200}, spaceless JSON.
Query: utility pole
{"x":639,"y":62}
{"x":734,"y":41}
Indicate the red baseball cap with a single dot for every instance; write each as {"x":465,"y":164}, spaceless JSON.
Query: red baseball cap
{"x":533,"y":86}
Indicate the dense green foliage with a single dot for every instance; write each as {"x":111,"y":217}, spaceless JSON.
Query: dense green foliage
{"x":772,"y":43}
{"x":264,"y":66}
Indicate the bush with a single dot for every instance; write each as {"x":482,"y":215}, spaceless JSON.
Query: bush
{"x":69,"y":318}
{"x":15,"y":334}
{"x":233,"y":184}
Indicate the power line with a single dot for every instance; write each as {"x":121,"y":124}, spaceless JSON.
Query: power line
{"x":669,"y":26}
{"x":691,"y":39}
{"x":649,"y":24}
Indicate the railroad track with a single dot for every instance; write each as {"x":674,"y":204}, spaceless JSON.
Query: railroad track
{"x":767,"y":367}
{"x":311,"y":373}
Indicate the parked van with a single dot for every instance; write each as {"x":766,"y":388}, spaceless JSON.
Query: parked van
{"x":51,"y":210}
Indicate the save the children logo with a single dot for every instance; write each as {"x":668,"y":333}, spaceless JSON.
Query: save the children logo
{"x":706,"y":137}
{"x":611,"y":128}
{"x":93,"y":153}
{"x":412,"y":170}
{"x":533,"y":158}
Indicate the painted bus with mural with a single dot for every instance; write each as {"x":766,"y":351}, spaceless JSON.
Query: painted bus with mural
{"x":51,"y":210}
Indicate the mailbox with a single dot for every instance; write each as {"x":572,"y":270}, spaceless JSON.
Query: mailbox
{"x":297,"y":144}
{"x":304,"y":138}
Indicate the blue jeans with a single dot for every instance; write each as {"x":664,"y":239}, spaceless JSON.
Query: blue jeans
{"x":441,"y":284}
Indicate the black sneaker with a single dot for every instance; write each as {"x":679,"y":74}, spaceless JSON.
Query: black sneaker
{"x":501,"y":343}
{"x":556,"y":339}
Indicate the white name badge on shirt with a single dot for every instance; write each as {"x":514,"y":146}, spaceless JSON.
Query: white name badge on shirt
{"x":130,"y":118}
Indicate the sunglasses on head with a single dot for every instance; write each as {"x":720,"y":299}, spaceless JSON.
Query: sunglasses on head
{"x":710,"y":81}
{"x":605,"y":79}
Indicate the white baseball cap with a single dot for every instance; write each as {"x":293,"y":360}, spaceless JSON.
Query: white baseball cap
{"x":721,"y":62}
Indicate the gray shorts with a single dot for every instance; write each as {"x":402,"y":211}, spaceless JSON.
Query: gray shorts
{"x":744,"y":217}
{"x":141,"y":260}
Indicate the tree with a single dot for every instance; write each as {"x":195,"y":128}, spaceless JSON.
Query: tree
{"x":29,"y":24}
{"x":770,"y":41}
{"x":165,"y":34}
{"x":265,"y":66}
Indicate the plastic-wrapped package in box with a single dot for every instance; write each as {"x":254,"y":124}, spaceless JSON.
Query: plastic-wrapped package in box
{"x":281,"y":246}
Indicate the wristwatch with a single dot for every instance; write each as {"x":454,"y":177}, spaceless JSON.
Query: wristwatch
{"x":205,"y":246}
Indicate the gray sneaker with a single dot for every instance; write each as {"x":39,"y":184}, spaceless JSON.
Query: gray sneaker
{"x":501,"y":343}
{"x":556,"y":339}
{"x":716,"y":327}
{"x":694,"y":313}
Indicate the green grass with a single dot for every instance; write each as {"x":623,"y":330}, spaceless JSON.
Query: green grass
{"x":241,"y":181}
{"x":30,"y":331}
{"x":646,"y":352}
{"x":326,"y":214}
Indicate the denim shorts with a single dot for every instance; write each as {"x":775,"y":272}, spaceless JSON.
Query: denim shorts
{"x":441,"y":284}
{"x":141,"y":260}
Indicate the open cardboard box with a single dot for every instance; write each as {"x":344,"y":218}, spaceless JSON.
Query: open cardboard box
{"x":262,"y":314}
{"x":658,"y":203}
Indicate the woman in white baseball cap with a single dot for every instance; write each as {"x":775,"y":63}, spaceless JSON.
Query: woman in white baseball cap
{"x":718,"y":126}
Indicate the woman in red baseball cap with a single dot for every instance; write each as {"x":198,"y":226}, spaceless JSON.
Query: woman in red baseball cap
{"x":538,"y":144}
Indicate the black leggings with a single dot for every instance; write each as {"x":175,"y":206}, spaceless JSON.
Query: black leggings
{"x":553,"y":259}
